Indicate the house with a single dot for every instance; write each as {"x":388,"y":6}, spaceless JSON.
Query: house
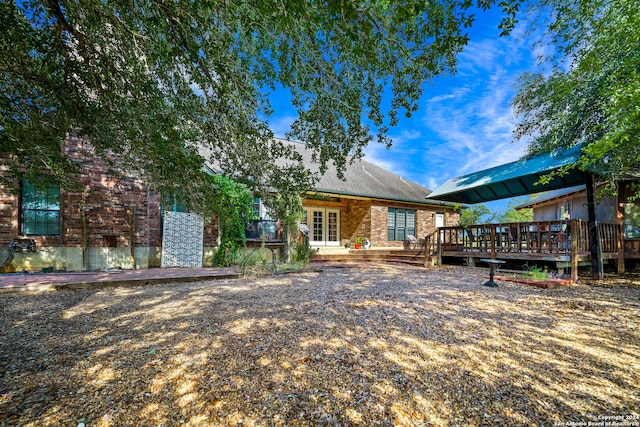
{"x":120,"y":222}
{"x":112,"y":222}
{"x":563,"y":232}
{"x":371,"y":202}
{"x":571,"y":203}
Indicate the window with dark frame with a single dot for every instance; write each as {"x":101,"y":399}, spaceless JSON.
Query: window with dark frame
{"x":170,"y":203}
{"x":40,"y":209}
{"x":632,"y":221}
{"x":400,"y":224}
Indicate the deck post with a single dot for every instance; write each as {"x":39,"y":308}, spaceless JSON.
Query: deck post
{"x":594,"y":236}
{"x":427,"y":245}
{"x":439,"y":247}
{"x":493,"y":241}
{"x":619,"y":221}
{"x":574,"y":248}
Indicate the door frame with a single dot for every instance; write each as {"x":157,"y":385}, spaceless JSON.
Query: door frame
{"x":324,"y":224}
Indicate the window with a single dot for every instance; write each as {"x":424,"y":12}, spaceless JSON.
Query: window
{"x":631,"y":221}
{"x":170,"y":203}
{"x":259,"y":210}
{"x":255,"y":208}
{"x":400,"y":224}
{"x":40,"y":211}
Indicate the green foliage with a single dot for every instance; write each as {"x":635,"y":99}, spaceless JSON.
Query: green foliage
{"x":591,"y":93}
{"x":287,"y":207}
{"x":536,"y":273}
{"x":166,"y":86}
{"x":302,"y":253}
{"x":474,"y":214}
{"x":481,"y":214}
{"x":231,"y":202}
{"x":252,"y":263}
{"x":510,"y":214}
{"x":359,"y":240}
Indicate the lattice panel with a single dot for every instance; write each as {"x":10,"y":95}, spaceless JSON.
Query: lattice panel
{"x":182,"y":240}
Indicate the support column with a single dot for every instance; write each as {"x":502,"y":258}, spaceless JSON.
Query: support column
{"x":575,"y":241}
{"x":493,"y":241}
{"x":619,"y":221}
{"x":594,"y":236}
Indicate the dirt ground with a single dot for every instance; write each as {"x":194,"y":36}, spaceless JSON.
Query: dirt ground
{"x":338,"y":347}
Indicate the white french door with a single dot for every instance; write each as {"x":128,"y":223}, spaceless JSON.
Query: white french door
{"x":324,"y":226}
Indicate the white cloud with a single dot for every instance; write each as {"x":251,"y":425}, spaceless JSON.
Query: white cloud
{"x":281,"y":125}
{"x":472,"y":125}
{"x":441,"y":98}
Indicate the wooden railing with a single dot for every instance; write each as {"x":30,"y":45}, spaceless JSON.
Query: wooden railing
{"x":266,"y":230}
{"x":533,"y":237}
{"x":431,"y":247}
{"x":610,"y":237}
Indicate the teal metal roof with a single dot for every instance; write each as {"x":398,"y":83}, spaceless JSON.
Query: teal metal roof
{"x":512,"y":179}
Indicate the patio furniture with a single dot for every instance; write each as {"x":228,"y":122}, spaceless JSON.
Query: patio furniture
{"x":492,"y":263}
{"x":414,"y":243}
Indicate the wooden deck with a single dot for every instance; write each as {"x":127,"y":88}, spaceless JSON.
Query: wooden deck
{"x":564,"y":242}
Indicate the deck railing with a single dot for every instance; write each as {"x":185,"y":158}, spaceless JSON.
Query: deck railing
{"x":555,"y":237}
{"x":266,"y":230}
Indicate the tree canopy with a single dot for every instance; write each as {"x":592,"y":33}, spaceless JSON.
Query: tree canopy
{"x":481,"y":214}
{"x":590,"y":94}
{"x":158,"y":84}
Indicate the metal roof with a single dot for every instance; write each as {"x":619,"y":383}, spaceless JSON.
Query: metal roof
{"x":551,"y":195}
{"x":512,"y":179}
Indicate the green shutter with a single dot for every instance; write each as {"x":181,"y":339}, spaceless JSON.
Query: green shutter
{"x":391,"y":224}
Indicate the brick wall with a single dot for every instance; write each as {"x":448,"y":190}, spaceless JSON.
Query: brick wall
{"x":356,"y":220}
{"x":425,"y":221}
{"x":8,"y":210}
{"x":368,"y":218}
{"x":111,"y":210}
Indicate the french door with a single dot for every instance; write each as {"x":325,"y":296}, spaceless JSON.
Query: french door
{"x":324,"y":226}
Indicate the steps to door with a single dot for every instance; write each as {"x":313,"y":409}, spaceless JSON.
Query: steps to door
{"x":399,"y":256}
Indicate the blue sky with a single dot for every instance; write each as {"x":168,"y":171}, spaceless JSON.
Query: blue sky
{"x":464,"y":122}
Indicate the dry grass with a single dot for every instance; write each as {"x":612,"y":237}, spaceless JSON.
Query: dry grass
{"x":339,"y":347}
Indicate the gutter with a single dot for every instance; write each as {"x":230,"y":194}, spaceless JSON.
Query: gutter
{"x":436,"y":203}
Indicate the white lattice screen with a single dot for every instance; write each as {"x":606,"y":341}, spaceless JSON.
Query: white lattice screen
{"x":182,"y":240}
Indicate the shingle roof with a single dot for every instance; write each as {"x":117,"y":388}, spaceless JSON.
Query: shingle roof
{"x":364,"y":179}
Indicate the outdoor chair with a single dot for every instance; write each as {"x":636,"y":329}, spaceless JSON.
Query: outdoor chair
{"x":413,"y":243}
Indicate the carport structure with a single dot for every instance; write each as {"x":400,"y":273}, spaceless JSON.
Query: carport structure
{"x":568,"y":242}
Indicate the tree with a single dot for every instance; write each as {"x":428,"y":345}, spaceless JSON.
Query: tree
{"x":511,"y":214}
{"x":231,"y":201}
{"x":474,"y":214}
{"x":481,"y":214}
{"x":165,"y":86}
{"x":592,"y":92}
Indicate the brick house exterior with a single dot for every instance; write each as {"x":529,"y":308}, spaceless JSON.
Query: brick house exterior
{"x":117,"y":221}
{"x":369,"y":219}
{"x":113,"y":222}
{"x":363,"y":202}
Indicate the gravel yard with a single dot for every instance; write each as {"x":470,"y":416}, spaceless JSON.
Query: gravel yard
{"x":410,"y":347}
